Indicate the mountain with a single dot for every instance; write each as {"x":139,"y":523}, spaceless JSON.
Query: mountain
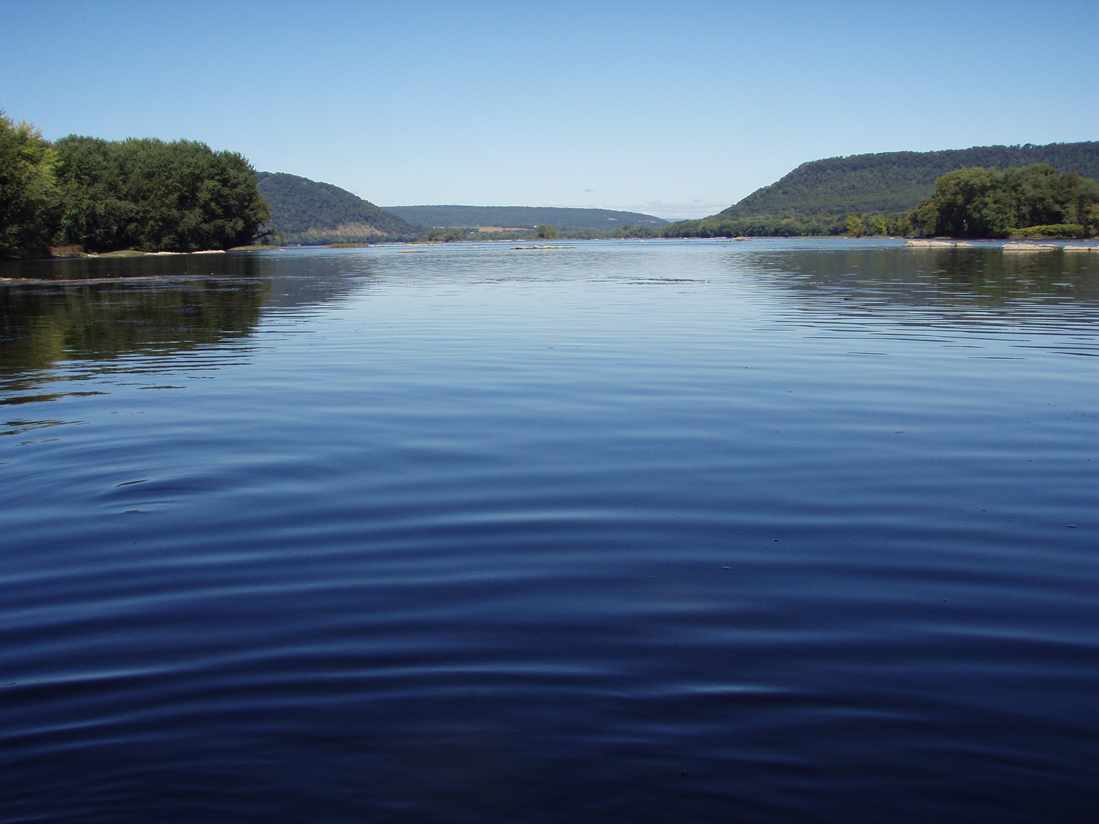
{"x":306,"y":211}
{"x":520,"y":216}
{"x":895,"y":181}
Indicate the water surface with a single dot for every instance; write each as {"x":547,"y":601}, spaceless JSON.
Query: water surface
{"x":701,"y":531}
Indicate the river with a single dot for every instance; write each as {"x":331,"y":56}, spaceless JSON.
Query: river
{"x":639,"y":531}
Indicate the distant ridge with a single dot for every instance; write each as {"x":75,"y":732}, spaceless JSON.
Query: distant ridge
{"x":896,"y":181}
{"x":307,"y":211}
{"x":520,"y":216}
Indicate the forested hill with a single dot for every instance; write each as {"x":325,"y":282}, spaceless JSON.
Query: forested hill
{"x":304,"y":210}
{"x":521,"y":216}
{"x":896,"y":181}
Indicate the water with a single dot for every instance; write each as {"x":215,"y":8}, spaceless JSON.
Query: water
{"x":779,"y":530}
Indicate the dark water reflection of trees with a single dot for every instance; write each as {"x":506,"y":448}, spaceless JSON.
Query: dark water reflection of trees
{"x":927,"y":278}
{"x":41,"y":326}
{"x":103,"y":308}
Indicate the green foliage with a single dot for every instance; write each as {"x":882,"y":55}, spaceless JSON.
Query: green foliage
{"x":527,"y":217}
{"x":817,"y":197}
{"x":981,"y":202}
{"x":759,"y":226}
{"x":621,"y":232}
{"x":972,"y":202}
{"x":305,"y":211}
{"x":897,"y":181}
{"x":1065,"y":231}
{"x":154,"y":195}
{"x":446,"y":235}
{"x":28,"y":194}
{"x":103,"y":195}
{"x":637,"y":232}
{"x":454,"y":233}
{"x":877,"y":225}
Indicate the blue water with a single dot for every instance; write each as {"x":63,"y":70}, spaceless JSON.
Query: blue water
{"x":698,"y":531}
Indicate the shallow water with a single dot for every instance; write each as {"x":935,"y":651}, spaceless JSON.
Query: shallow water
{"x":778,"y":530}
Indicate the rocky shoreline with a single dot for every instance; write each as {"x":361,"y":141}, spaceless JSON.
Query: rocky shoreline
{"x":1009,"y":246}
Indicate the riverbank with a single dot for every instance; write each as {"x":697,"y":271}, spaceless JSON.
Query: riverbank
{"x":1007,"y":246}
{"x":99,"y":281}
{"x":76,"y":252}
{"x":60,"y":253}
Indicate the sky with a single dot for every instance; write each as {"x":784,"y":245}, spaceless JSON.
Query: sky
{"x":674,"y":109}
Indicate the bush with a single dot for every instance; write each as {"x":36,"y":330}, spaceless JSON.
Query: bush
{"x":1066,"y":231}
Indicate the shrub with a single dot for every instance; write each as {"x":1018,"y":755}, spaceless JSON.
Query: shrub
{"x":1051,"y":230}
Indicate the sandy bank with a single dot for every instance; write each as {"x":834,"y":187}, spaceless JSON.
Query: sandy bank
{"x":936,"y":243}
{"x":1031,"y":247}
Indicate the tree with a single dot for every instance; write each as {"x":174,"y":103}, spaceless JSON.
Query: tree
{"x":28,"y":194}
{"x":545,"y":232}
{"x":155,"y":195}
{"x":981,"y":202}
{"x":1091,"y":221}
{"x":877,"y":225}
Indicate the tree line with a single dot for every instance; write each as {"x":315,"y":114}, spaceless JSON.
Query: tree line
{"x":1026,"y":201}
{"x":153,"y":195}
{"x":105,"y":195}
{"x":895,"y":182}
{"x":1033,"y":200}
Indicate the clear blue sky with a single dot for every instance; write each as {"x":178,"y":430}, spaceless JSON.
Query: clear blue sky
{"x":674,"y":108}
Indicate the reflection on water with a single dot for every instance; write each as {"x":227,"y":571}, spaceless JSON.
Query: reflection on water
{"x":95,"y":309}
{"x":780,"y":530}
{"x":921,"y":275}
{"x":46,"y":324}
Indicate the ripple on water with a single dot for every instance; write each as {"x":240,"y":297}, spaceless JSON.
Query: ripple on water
{"x":472,"y":534}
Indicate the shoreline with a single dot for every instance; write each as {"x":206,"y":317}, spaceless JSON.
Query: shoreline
{"x":1007,"y":245}
{"x":1075,"y":247}
{"x":98,"y":281}
{"x":115,"y":254}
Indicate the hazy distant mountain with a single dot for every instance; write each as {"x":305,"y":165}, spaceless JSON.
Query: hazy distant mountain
{"x":304,"y":210}
{"x":896,"y":181}
{"x":520,"y":216}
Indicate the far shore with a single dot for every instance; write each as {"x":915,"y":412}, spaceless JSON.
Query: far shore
{"x":61,"y":254}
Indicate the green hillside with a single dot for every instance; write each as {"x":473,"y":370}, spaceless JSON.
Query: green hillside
{"x":896,"y":181}
{"x":306,"y":211}
{"x":816,"y":197}
{"x":521,"y":216}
